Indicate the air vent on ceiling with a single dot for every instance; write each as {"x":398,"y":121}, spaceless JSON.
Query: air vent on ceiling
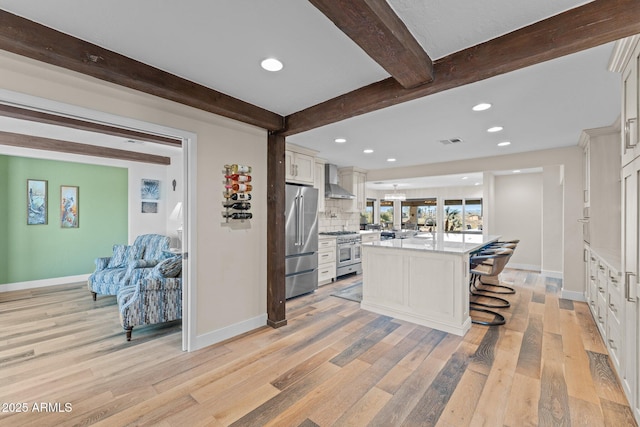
{"x":450,"y":141}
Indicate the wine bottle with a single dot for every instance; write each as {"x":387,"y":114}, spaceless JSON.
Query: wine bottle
{"x":237,"y":215}
{"x":243,"y":206}
{"x":238,"y":168}
{"x":242,"y":187}
{"x":238,"y":177}
{"x":240,"y":196}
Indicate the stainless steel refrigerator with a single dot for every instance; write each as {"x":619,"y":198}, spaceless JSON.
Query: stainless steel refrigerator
{"x":301,"y":247}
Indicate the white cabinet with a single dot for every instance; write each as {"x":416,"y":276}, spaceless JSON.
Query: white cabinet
{"x":370,"y":236}
{"x":319,"y":184}
{"x":591,"y":266}
{"x":326,"y":259}
{"x":605,"y":297}
{"x":629,"y":281}
{"x":630,"y":99}
{"x":601,"y":192}
{"x":353,"y":180}
{"x":300,"y":165}
{"x":626,"y":60}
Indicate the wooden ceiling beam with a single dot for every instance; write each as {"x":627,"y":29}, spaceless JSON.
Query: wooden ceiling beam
{"x":49,"y":144}
{"x":33,"y":40}
{"x":374,"y":26}
{"x":584,"y":27}
{"x":54,"y":119}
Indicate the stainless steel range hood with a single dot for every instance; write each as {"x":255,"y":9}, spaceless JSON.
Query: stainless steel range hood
{"x":331,"y":188}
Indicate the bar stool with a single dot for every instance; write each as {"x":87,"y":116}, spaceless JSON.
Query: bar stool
{"x":494,"y":281}
{"x":477,"y":270}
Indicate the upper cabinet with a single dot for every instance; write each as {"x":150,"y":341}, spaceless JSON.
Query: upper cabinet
{"x":300,"y":165}
{"x":630,"y":58}
{"x":353,"y":180}
{"x":601,"y":192}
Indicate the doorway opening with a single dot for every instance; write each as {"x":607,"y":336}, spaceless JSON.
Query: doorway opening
{"x":59,"y":119}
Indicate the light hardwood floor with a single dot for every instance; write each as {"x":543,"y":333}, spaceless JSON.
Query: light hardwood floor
{"x":334,"y":364}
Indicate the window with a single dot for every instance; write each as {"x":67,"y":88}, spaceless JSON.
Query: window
{"x":463,"y":216}
{"x":386,"y":214}
{"x":420,"y":213}
{"x":367,"y":216}
{"x":453,"y":215}
{"x":473,"y":215}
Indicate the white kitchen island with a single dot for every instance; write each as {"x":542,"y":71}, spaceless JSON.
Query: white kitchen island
{"x":423,"y":279}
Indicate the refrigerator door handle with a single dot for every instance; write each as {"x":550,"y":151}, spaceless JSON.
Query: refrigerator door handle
{"x":296,"y":209}
{"x":301,"y":222}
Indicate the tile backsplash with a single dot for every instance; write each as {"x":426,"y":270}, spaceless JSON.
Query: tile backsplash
{"x":334,"y":218}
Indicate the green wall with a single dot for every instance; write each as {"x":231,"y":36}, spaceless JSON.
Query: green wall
{"x":4,"y":224}
{"x":33,"y":252}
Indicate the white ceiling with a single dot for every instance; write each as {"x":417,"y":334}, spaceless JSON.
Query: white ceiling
{"x":220,"y":44}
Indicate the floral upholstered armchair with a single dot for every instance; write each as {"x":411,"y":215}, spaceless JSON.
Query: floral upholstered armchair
{"x":154,"y":295}
{"x":115,"y":271}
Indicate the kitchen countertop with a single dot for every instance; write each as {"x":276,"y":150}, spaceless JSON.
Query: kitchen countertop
{"x":454,"y":243}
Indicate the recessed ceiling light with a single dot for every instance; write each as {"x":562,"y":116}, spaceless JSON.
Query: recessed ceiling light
{"x":481,"y":107}
{"x":465,"y":177}
{"x":495,"y":129}
{"x":368,"y":151}
{"x":477,"y":183}
{"x":340,"y":140}
{"x":271,"y":64}
{"x":504,"y":144}
{"x":391,"y":159}
{"x":516,"y":171}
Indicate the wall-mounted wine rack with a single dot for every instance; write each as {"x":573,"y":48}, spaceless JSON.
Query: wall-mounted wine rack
{"x":237,"y":192}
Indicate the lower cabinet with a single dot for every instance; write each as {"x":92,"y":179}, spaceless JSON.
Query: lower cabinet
{"x":326,"y":260}
{"x":606,"y":299}
{"x":370,"y":236}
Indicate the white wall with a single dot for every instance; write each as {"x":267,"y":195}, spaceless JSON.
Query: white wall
{"x":230,"y":276}
{"x":552,"y":213}
{"x":518,"y":215}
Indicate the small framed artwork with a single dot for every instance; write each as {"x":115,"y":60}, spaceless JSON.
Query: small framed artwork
{"x":69,"y":212}
{"x":150,"y":189}
{"x":36,"y":202}
{"x":149,"y":207}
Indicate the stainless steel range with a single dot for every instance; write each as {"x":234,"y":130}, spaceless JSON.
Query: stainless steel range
{"x":348,"y":250}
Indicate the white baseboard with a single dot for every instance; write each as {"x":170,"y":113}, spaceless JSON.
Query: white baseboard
{"x":573,"y":295}
{"x":33,"y":284}
{"x":552,"y":274}
{"x":529,"y":267}
{"x":230,"y":331}
{"x":446,"y":326}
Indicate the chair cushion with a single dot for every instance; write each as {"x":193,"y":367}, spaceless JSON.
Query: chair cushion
{"x":135,"y":252}
{"x":170,"y":267}
{"x":119,"y":257}
{"x":109,"y":276}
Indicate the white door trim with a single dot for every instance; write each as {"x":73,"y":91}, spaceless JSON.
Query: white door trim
{"x":189,"y":149}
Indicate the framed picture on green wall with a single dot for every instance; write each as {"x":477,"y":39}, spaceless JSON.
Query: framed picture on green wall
{"x":36,"y":202}
{"x":69,"y":213}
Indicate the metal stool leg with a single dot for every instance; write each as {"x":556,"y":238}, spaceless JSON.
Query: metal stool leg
{"x":499,"y":318}
{"x":472,"y":286}
{"x":509,"y":291}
